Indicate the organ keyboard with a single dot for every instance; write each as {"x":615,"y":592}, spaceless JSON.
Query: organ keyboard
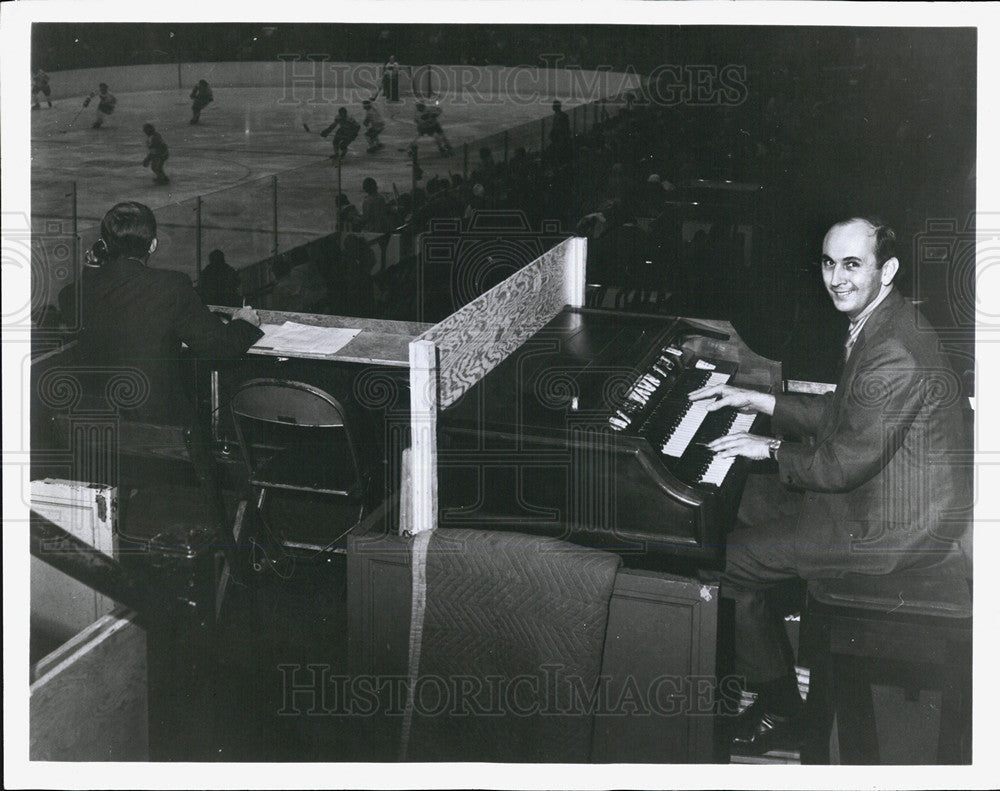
{"x":586,"y":432}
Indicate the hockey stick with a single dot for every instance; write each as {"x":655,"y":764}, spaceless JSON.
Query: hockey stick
{"x":64,"y":131}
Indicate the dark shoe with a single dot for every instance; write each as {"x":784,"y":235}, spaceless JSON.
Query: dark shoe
{"x":757,"y":731}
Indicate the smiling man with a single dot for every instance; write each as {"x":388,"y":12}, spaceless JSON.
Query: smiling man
{"x":870,"y":478}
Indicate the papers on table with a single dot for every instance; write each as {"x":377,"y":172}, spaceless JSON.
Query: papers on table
{"x":302,"y":340}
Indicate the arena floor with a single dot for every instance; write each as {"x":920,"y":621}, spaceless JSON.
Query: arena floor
{"x":244,"y":138}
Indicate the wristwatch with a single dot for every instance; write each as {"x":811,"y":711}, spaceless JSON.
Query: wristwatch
{"x":772,"y":448}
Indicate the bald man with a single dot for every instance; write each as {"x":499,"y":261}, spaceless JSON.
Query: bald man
{"x":869,"y":480}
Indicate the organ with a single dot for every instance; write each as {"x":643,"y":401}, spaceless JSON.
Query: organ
{"x":586,"y":432}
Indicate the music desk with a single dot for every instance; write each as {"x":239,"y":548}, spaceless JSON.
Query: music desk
{"x":380,"y":342}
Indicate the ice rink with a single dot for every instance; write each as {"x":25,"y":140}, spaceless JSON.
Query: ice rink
{"x":251,"y":161}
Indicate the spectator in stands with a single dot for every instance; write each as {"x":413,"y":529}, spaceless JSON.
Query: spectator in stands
{"x":560,"y":136}
{"x":478,"y":201}
{"x":522,"y":176}
{"x":520,"y":167}
{"x":486,"y":170}
{"x":403,"y":209}
{"x":374,"y":209}
{"x":219,"y":283}
{"x":654,"y":197}
{"x":347,"y":213}
{"x":628,"y":111}
{"x":619,"y":186}
{"x":442,"y":203}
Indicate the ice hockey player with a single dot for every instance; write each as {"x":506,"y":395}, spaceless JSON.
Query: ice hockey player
{"x":426,"y":119}
{"x":201,"y":97}
{"x":344,"y":129}
{"x":40,"y":85}
{"x":106,"y":102}
{"x":157,"y":155}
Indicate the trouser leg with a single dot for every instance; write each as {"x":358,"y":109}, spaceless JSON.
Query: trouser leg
{"x":762,"y":649}
{"x":760,"y":556}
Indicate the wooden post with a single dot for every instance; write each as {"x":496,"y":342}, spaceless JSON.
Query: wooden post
{"x":423,"y":436}
{"x":576,"y":272}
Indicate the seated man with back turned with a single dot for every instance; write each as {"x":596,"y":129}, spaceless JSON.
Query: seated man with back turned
{"x":874,"y":479}
{"x":134,"y":318}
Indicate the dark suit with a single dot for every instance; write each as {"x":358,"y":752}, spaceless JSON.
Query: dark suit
{"x":882,"y":479}
{"x":134,"y":320}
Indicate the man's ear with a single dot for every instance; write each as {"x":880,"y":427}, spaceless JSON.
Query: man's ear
{"x":889,"y":270}
{"x":152,"y":246}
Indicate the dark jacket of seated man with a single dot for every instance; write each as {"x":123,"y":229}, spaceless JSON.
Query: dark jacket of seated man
{"x":878,"y":477}
{"x":133,"y":320}
{"x":884,"y":482}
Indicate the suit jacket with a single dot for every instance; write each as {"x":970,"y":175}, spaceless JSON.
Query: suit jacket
{"x":133,"y":322}
{"x":884,"y":464}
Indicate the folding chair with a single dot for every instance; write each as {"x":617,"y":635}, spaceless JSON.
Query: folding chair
{"x":295,"y":438}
